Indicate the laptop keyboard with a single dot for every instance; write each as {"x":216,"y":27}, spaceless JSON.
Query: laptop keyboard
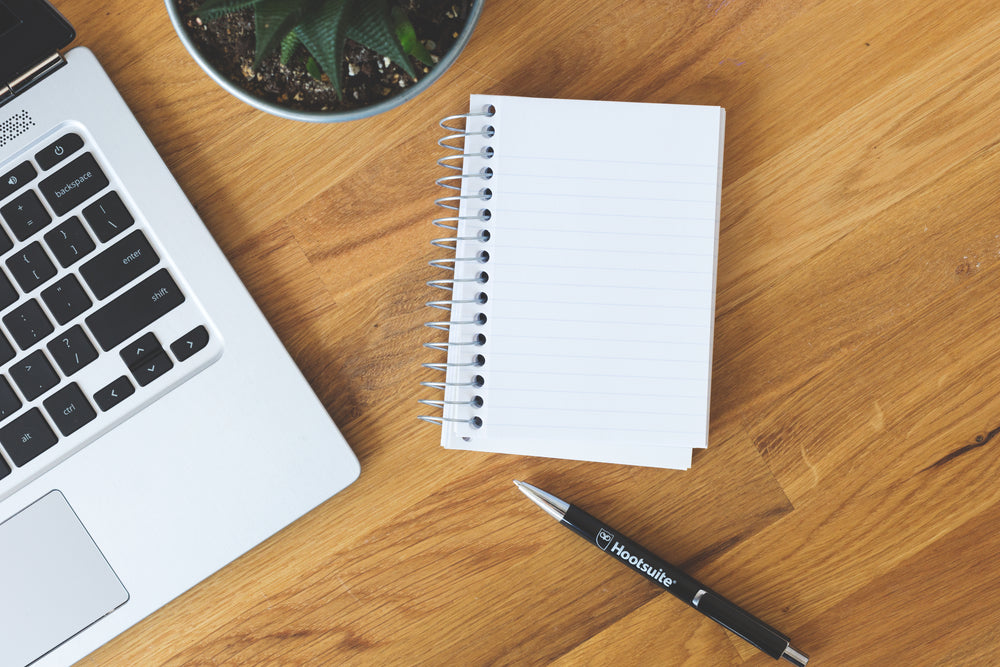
{"x":93,"y":323}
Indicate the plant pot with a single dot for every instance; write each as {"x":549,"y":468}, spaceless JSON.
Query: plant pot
{"x":328,"y":116}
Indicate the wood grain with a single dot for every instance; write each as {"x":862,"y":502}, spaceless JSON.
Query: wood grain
{"x":848,"y":495}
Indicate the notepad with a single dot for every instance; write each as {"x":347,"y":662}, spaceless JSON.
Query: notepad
{"x":580,"y":295}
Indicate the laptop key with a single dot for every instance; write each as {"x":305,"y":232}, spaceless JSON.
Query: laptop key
{"x":9,"y":402}
{"x":16,"y":178}
{"x":119,"y":265}
{"x":4,"y":469}
{"x":114,"y":393}
{"x":5,"y":242}
{"x":27,"y":324}
{"x":34,"y":375}
{"x":135,"y":309}
{"x":58,"y":150}
{"x":146,"y":346}
{"x":74,"y":184}
{"x":108,"y":217}
{"x":6,"y":350}
{"x":31,"y":266}
{"x":25,"y":215}
{"x":8,"y":294}
{"x":69,"y":242}
{"x":27,"y":436}
{"x":66,"y":299}
{"x":194,"y":340}
{"x":151,"y":368}
{"x":69,"y":409}
{"x":72,"y":350}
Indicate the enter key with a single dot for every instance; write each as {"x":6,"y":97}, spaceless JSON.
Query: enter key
{"x":119,"y":265}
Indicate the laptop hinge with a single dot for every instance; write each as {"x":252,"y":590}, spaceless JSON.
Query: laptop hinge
{"x":31,"y":77}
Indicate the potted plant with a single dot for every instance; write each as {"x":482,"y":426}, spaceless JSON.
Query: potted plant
{"x":324,"y":60}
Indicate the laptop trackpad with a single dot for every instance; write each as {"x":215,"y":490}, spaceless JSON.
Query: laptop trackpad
{"x":56,"y":581}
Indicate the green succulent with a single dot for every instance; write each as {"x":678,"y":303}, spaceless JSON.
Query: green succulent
{"x":323,"y":28}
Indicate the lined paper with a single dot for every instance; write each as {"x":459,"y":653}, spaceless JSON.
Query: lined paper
{"x":603,"y":241}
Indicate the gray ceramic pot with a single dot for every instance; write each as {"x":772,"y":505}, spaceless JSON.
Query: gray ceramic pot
{"x":329,"y":116}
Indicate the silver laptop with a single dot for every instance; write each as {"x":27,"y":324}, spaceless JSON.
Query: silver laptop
{"x":152,"y":426}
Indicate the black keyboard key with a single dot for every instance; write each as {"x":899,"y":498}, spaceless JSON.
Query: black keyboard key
{"x":69,"y":409}
{"x":69,"y":242}
{"x":27,"y":324}
{"x":119,"y":265}
{"x":27,"y":436}
{"x":66,"y":298}
{"x":8,"y":294}
{"x":16,"y":178}
{"x":194,"y":340}
{"x":9,"y":402}
{"x":135,"y":309}
{"x":6,"y":350}
{"x":4,"y":469}
{"x":72,"y":350}
{"x":74,"y":184}
{"x":31,"y":266}
{"x":58,"y":150}
{"x":108,"y":217}
{"x":34,"y":375}
{"x":137,"y":350}
{"x":5,"y":242}
{"x":113,"y":394}
{"x":25,"y":215}
{"x":151,"y":368}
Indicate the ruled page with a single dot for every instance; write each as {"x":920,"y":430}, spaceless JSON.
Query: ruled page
{"x":603,"y":237}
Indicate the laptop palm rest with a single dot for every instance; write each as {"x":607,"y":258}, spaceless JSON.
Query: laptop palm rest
{"x":56,"y":581}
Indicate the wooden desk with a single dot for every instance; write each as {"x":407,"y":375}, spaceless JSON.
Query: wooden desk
{"x":849,"y":494}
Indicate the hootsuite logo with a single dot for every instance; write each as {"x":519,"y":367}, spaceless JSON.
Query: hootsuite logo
{"x":638,"y":563}
{"x":604,"y":538}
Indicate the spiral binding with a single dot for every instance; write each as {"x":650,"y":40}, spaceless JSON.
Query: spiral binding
{"x":468,"y":353}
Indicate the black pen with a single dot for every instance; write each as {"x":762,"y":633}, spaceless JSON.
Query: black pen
{"x":705,"y":600}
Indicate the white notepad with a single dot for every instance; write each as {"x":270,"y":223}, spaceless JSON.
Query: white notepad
{"x":595,"y":226}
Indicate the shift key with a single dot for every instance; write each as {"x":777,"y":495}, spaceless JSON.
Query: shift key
{"x":135,"y":309}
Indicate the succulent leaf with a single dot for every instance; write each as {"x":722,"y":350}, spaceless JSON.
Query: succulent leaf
{"x":371,"y":26}
{"x":273,"y":19}
{"x":407,"y":36}
{"x":313,"y":70}
{"x":324,"y":34}
{"x":288,"y":46}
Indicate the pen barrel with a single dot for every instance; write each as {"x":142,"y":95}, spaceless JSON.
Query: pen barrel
{"x":632,"y":554}
{"x":685,"y":588}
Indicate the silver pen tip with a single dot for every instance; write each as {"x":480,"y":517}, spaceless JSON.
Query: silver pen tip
{"x":795,"y":657}
{"x":554,"y":506}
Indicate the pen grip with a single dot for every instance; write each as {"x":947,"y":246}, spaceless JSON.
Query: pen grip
{"x":743,"y":623}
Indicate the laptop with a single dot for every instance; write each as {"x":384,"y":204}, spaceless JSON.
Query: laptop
{"x":152,"y":426}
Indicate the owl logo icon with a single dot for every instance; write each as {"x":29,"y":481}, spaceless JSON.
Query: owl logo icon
{"x":604,"y":538}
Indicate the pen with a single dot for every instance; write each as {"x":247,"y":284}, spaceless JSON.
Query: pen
{"x":705,"y":600}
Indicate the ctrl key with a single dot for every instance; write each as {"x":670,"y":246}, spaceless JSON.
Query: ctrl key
{"x":27,"y":436}
{"x":69,"y":409}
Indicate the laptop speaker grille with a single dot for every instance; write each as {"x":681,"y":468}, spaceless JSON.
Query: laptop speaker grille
{"x":14,"y":127}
